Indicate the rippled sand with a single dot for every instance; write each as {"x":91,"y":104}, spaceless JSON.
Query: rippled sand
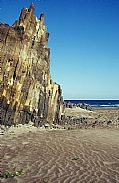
{"x":62,"y":156}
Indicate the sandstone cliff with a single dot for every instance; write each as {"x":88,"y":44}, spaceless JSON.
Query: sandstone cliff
{"x":27,"y":92}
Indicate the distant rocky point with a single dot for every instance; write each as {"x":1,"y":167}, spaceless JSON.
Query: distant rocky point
{"x":27,"y":92}
{"x":81,"y":105}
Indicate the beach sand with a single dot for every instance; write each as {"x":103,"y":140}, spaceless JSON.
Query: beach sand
{"x":105,"y":117}
{"x":62,"y":156}
{"x":69,"y":156}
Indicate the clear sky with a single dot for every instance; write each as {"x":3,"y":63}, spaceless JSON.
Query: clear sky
{"x":84,"y":42}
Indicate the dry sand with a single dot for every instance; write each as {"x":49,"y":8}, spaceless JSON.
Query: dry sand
{"x":64,"y":156}
{"x":110,"y":113}
{"x":77,"y":111}
{"x":97,"y":117}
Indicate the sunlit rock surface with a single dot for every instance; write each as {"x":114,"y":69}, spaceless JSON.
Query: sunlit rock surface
{"x":27,"y":92}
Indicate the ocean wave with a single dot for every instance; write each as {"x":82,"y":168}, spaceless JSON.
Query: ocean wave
{"x":106,"y":105}
{"x":97,"y":103}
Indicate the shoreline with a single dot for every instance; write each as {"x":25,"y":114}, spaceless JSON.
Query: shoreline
{"x":99,"y":117}
{"x":76,"y":118}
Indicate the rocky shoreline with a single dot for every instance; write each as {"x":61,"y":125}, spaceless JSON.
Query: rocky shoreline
{"x":75,"y":118}
{"x":98,"y":117}
{"x":27,"y":128}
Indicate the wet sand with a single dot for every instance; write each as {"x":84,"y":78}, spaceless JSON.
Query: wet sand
{"x":62,"y":156}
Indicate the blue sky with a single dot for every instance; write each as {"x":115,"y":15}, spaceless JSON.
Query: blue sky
{"x":84,"y":42}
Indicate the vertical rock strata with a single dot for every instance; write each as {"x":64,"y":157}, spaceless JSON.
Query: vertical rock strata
{"x":27,"y":92}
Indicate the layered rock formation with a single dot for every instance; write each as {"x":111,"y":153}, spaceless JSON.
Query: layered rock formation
{"x":27,"y":92}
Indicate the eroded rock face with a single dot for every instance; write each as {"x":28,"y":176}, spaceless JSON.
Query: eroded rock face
{"x":27,"y":92}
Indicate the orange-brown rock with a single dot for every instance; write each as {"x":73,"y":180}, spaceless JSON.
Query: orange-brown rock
{"x":27,"y":92}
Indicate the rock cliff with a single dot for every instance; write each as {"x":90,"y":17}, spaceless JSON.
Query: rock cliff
{"x":27,"y":92}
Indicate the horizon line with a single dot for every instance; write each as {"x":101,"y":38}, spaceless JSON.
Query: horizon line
{"x":91,"y":99}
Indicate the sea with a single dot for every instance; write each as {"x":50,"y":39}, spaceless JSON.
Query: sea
{"x":97,"y":103}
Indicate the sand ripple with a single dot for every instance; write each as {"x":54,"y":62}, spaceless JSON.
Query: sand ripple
{"x":84,"y":156}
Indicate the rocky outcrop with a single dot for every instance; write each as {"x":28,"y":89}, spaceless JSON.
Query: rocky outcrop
{"x":27,"y":92}
{"x":81,"y":105}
